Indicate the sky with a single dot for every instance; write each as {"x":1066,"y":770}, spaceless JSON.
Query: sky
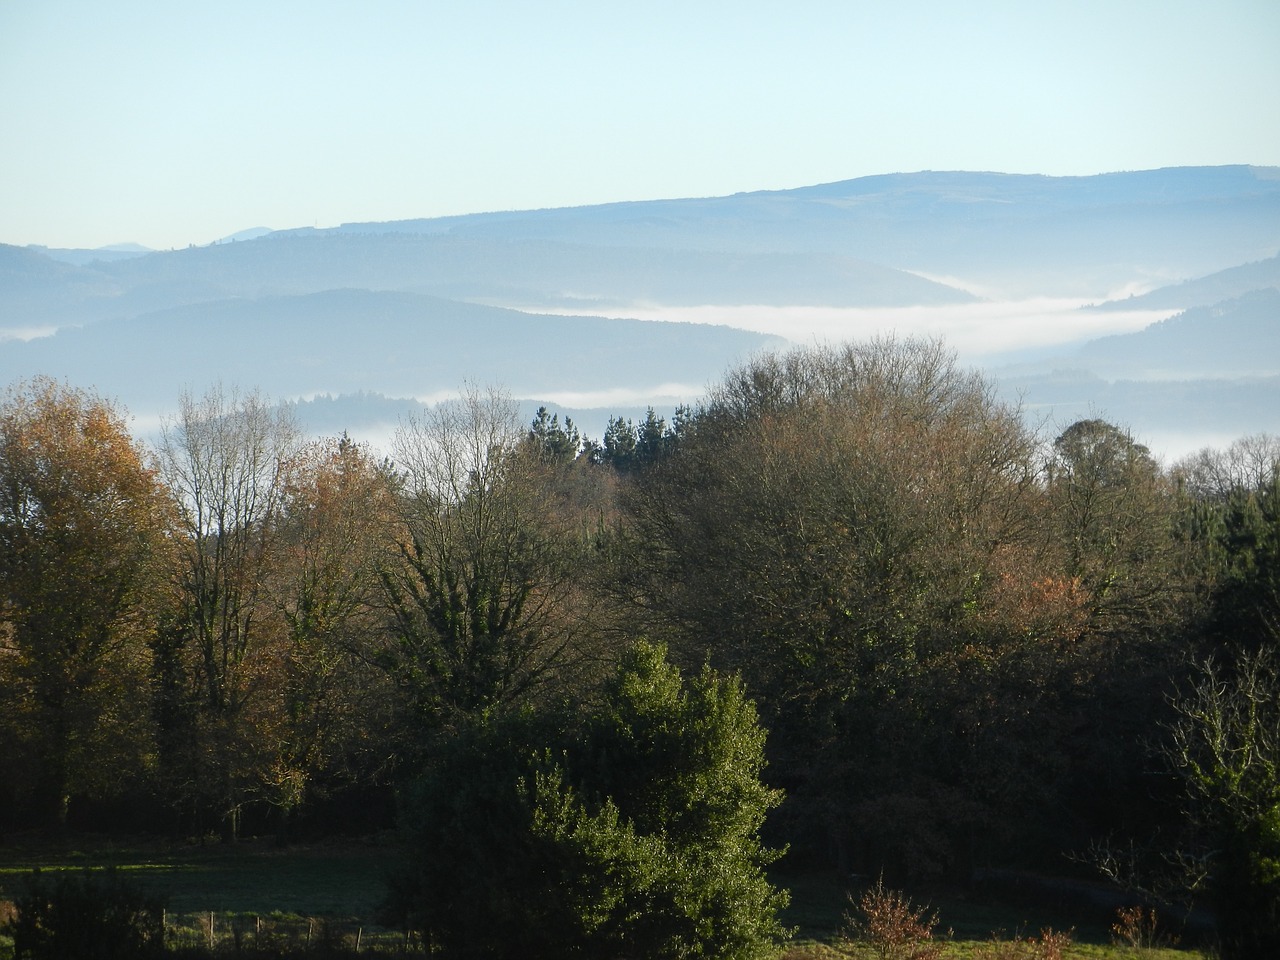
{"x":170,"y":122}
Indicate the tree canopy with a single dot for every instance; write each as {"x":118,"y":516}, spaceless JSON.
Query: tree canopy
{"x":961,"y":636}
{"x":84,"y":527}
{"x":628,"y":830}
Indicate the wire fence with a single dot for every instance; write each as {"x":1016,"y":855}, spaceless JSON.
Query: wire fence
{"x":192,"y":935}
{"x":242,"y":935}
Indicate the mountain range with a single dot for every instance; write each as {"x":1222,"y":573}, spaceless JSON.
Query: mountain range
{"x":544,"y":301}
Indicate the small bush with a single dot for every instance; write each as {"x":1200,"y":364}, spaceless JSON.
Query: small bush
{"x":94,"y":915}
{"x":894,"y":927}
{"x":1135,"y":927}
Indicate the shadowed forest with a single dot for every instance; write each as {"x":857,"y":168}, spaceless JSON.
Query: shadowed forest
{"x":849,"y":615}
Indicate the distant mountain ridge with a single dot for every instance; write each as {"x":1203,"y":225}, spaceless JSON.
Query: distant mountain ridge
{"x":1211,"y":369}
{"x":869,"y":242}
{"x":896,"y":194}
{"x":85,"y":257}
{"x":413,"y":307}
{"x":534,"y":271}
{"x":993,"y":227}
{"x":525,"y":273}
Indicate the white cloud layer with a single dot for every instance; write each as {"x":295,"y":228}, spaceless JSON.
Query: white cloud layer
{"x":976,"y":331}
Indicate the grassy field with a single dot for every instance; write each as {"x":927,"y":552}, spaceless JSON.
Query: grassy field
{"x":328,"y":880}
{"x":976,"y":926}
{"x":257,"y":885}
{"x":216,"y":893}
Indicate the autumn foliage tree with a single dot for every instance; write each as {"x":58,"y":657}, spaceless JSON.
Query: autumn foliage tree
{"x":335,"y":531}
{"x":1112,"y":514}
{"x":860,"y":531}
{"x":83,"y":525}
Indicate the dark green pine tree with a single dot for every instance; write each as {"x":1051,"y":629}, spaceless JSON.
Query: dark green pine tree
{"x":635,"y":836}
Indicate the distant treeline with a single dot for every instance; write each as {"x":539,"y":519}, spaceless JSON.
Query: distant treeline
{"x":970,"y":646}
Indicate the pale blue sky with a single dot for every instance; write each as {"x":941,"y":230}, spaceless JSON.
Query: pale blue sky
{"x":169,"y":122}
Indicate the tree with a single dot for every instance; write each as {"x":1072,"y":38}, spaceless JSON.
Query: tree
{"x":82,"y":532}
{"x":1236,"y":509}
{"x":1116,"y":534}
{"x":620,"y":443}
{"x":485,"y":604}
{"x":332,"y":536}
{"x":1249,"y":463}
{"x":1225,"y":744}
{"x":834,"y":525}
{"x":636,"y":836}
{"x":1113,"y":512}
{"x":652,"y":438}
{"x":223,"y":458}
{"x":629,"y":447}
{"x":558,"y":444}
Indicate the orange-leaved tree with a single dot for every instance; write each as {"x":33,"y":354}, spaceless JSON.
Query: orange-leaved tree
{"x":82,"y":535}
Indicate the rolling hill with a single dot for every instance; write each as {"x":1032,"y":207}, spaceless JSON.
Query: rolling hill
{"x":415,"y":307}
{"x":394,"y":343}
{"x":1210,"y":371}
{"x":1205,"y":291}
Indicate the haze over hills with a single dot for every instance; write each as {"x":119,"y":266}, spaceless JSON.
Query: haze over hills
{"x":411,"y":308}
{"x":399,"y":344}
{"x":1231,"y":338}
{"x":524,"y":269}
{"x":1025,"y":235}
{"x":844,"y":243}
{"x":1203,"y":291}
{"x":1208,"y":372}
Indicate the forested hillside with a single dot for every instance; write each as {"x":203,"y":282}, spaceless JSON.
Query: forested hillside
{"x":921,"y":638}
{"x":1234,"y":337}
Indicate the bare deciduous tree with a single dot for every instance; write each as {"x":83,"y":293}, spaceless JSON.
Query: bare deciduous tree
{"x":485,"y":604}
{"x":1250,"y":463}
{"x":222,"y":458}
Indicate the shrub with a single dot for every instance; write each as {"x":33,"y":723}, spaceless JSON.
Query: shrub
{"x":78,"y":916}
{"x":894,"y":927}
{"x":1135,"y":927}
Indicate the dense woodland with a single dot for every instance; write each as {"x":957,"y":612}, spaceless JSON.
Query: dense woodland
{"x":970,"y":645}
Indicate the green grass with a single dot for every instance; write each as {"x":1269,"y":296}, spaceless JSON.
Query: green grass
{"x":338,"y":880}
{"x":966,"y":926}
{"x":983,"y":949}
{"x":342,"y":883}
